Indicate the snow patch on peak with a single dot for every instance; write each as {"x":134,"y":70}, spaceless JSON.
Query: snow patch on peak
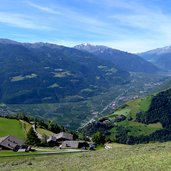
{"x":86,"y":44}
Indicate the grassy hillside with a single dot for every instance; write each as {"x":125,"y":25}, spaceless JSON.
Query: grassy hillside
{"x":130,"y":110}
{"x":138,"y":121}
{"x":133,"y":107}
{"x":44,"y":131}
{"x":151,"y":157}
{"x":18,"y":128}
{"x":12,"y":127}
{"x":125,"y":116}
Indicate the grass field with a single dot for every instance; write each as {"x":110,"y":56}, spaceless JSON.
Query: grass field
{"x":18,"y":128}
{"x":44,"y":131}
{"x":135,"y":106}
{"x":5,"y":153}
{"x":130,"y":109}
{"x":146,"y":157}
{"x":11,"y":127}
{"x":138,"y":129}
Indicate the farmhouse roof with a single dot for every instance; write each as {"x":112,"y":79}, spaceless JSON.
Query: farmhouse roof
{"x":10,"y":142}
{"x":51,"y":138}
{"x":63,"y":135}
{"x":2,"y":139}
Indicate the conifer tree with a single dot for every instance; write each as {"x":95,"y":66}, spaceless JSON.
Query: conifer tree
{"x":32,"y":138}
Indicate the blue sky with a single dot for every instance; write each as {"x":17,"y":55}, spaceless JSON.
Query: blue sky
{"x":130,"y":25}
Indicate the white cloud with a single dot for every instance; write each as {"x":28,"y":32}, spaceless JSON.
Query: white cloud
{"x":134,"y":26}
{"x":43,"y":8}
{"x":21,"y":21}
{"x":69,"y":15}
{"x":150,"y":25}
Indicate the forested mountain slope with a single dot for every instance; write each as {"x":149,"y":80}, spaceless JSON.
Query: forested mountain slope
{"x":124,"y":60}
{"x":138,"y":121}
{"x":48,"y":73}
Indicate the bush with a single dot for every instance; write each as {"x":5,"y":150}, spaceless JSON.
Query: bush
{"x":99,"y":138}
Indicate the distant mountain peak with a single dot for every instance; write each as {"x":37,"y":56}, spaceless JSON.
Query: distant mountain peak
{"x":86,"y":44}
{"x":160,"y":57}
{"x":8,"y":41}
{"x":158,"y":51}
{"x":122,"y":59}
{"x":90,"y":45}
{"x":91,"y":48}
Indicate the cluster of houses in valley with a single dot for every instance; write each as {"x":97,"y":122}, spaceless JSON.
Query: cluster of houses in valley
{"x":63,"y":140}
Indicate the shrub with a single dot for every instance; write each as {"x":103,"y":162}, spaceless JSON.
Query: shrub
{"x":98,"y":138}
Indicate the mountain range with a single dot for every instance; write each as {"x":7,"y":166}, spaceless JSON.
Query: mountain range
{"x":69,"y":85}
{"x":161,"y":57}
{"x":47,"y":73}
{"x":126,"y":61}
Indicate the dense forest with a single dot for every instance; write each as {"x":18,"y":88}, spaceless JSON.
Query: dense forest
{"x":159,"y":111}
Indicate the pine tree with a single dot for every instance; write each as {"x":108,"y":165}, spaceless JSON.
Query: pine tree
{"x":32,"y":138}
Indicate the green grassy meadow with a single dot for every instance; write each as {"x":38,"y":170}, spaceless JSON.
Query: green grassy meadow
{"x":130,"y":109}
{"x":135,"y":106}
{"x":18,"y":128}
{"x":44,"y":131}
{"x":11,"y":127}
{"x":151,"y":157}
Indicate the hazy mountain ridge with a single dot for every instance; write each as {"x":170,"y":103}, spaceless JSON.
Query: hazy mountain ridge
{"x":124,"y":60}
{"x":160,"y":57}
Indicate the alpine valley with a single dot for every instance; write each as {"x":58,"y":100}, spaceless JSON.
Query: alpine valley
{"x":72,"y":85}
